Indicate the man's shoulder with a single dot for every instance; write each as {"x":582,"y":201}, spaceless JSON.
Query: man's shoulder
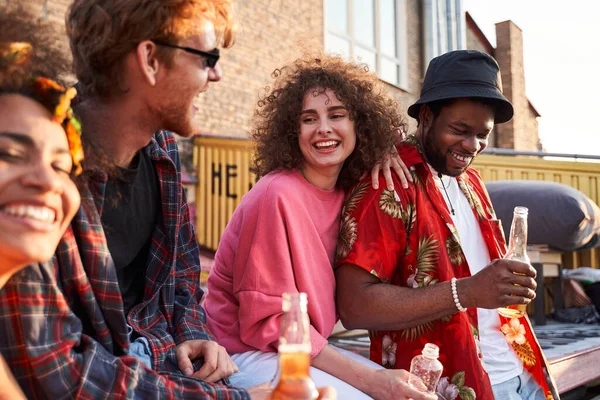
{"x":363,"y":196}
{"x":472,"y":173}
{"x":474,"y":178}
{"x":409,"y":152}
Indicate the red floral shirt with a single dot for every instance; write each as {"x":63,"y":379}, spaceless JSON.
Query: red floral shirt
{"x":407,"y":238}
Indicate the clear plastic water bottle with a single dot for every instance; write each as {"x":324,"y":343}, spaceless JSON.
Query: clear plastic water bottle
{"x":426,"y":368}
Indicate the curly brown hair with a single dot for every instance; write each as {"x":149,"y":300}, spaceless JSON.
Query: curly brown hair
{"x":45,"y":56}
{"x":103,"y":32}
{"x":276,"y":125}
{"x":32,"y":63}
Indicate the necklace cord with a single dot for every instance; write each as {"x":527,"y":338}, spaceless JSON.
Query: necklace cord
{"x":446,"y":192}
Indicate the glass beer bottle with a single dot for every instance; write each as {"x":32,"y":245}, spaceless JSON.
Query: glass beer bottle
{"x":294,"y":352}
{"x":517,"y":250}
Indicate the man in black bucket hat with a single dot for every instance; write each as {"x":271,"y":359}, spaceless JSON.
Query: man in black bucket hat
{"x":425,"y":264}
{"x":460,"y":74}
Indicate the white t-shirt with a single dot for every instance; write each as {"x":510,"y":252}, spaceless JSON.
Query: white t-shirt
{"x":499,"y":360}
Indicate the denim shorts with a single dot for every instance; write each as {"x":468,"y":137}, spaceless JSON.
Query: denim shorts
{"x":521,"y":387}
{"x":140,"y":349}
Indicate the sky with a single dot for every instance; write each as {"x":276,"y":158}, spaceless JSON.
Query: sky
{"x":561,"y":41}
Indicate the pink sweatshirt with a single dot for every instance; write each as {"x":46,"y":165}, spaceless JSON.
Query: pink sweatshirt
{"x":281,"y":238}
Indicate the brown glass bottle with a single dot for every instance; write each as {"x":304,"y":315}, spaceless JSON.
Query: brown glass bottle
{"x":294,"y":352}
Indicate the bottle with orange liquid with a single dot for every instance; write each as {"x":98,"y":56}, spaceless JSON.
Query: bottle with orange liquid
{"x":294,"y":351}
{"x":517,"y":250}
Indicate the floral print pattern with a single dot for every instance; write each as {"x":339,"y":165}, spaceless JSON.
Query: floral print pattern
{"x":454,"y":251}
{"x":450,"y":390}
{"x":401,"y":249}
{"x":388,"y":353}
{"x":474,"y":201}
{"x":389,"y":205}
{"x":347,"y":235}
{"x":447,"y":390}
{"x":514,"y":333}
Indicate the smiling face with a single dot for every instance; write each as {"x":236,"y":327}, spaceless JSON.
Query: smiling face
{"x":327,"y":137}
{"x":189,"y":76}
{"x":457,"y":135}
{"x":38,"y":199}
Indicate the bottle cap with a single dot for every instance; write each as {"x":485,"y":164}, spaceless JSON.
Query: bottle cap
{"x":431,"y":351}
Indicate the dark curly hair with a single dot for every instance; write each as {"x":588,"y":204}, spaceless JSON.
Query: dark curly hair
{"x":34,"y":64}
{"x":276,"y":125}
{"x":48,"y":56}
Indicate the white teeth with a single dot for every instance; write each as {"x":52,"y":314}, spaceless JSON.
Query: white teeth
{"x":461,"y":158}
{"x":43,"y":214}
{"x":326,"y":144}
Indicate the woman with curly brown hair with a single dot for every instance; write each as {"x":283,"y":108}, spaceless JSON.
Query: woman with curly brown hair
{"x":40,"y":153}
{"x":323,"y":124}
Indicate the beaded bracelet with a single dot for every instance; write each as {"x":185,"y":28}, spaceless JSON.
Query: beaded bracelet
{"x":455,"y":295}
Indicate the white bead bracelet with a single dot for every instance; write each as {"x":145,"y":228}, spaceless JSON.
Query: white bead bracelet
{"x":455,"y":296}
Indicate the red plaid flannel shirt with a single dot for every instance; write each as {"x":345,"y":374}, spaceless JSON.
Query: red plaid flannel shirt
{"x":63,"y":331}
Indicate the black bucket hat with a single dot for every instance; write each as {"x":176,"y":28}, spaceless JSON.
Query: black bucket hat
{"x":464,"y":73}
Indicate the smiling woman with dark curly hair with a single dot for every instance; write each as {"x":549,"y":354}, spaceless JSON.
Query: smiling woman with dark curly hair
{"x":277,"y":123}
{"x":322,"y":125}
{"x":40,"y":153}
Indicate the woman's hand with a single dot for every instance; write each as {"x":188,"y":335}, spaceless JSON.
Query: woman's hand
{"x":392,"y":384}
{"x":391,"y":161}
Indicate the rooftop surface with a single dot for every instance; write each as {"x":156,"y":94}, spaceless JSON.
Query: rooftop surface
{"x":573,"y":351}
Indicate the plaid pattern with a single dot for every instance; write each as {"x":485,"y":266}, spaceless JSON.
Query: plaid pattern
{"x":63,"y":331}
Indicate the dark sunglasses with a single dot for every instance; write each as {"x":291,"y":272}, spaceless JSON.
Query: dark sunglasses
{"x":211,"y":57}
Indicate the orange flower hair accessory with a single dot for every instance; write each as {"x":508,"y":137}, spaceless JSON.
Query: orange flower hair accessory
{"x":48,"y":91}
{"x":13,"y":55}
{"x":16,"y":78}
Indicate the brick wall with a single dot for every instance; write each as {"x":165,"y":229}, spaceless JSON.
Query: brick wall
{"x":476,"y":40}
{"x":415,"y":60}
{"x":521,"y":132}
{"x":532,"y":126}
{"x":270,"y":34}
{"x":274,"y":32}
{"x":473,"y":42}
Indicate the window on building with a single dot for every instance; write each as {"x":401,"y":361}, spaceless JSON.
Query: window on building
{"x":444,"y":27}
{"x":372,"y":32}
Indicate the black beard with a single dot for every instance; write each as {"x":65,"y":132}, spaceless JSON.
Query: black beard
{"x":433,"y":154}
